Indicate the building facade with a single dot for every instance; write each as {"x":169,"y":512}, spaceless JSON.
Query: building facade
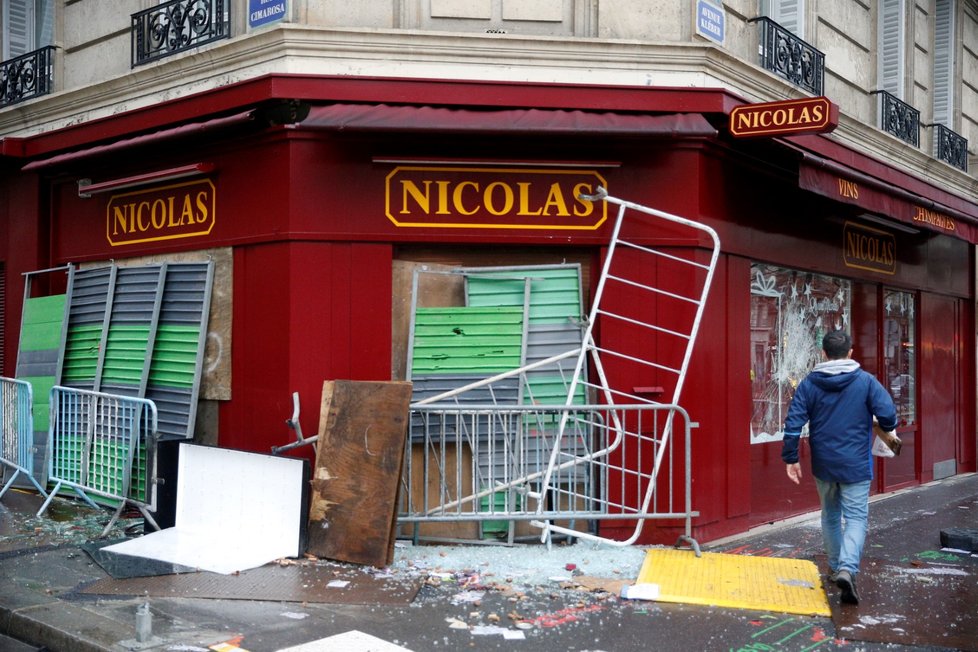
{"x":318,"y":153}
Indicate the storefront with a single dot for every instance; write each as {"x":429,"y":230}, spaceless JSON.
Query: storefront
{"x":315,"y":212}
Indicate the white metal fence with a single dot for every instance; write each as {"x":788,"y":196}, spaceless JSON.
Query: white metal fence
{"x":103,"y":447}
{"x":17,"y":419}
{"x":555,"y":466}
{"x":605,"y":470}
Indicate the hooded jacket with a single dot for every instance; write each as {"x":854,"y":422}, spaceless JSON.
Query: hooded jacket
{"x":838,"y":400}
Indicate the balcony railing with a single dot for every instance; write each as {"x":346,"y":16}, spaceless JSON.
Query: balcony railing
{"x":27,"y":76}
{"x":178,"y":26}
{"x":899,"y":118}
{"x":789,"y":57}
{"x":950,"y":147}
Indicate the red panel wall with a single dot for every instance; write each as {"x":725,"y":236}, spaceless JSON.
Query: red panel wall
{"x":303,"y":313}
{"x":940,"y":381}
{"x":23,"y":247}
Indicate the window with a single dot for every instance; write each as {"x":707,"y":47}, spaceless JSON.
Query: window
{"x":790,"y":312}
{"x":28,"y":25}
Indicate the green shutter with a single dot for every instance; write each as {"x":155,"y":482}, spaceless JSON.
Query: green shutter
{"x":467,"y":340}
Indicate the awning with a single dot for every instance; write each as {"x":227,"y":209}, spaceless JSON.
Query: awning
{"x":190,"y":129}
{"x":402,"y":119}
{"x":902,"y":198}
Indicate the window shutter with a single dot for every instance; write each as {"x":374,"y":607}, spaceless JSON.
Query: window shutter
{"x":790,"y":14}
{"x":892,"y":54}
{"x":944,"y":63}
{"x":18,"y":28}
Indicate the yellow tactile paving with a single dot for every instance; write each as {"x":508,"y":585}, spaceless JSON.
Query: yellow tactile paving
{"x":739,"y":581}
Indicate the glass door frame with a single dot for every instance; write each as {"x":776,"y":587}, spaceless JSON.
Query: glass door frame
{"x":909,"y":432}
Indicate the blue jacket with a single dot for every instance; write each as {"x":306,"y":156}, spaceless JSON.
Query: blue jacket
{"x":838,"y":400}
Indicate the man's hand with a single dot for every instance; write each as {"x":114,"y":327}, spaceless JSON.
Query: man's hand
{"x":794,"y":472}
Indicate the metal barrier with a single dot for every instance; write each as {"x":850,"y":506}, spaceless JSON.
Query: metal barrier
{"x":17,"y":418}
{"x":103,"y":445}
{"x":612,"y":460}
{"x":608,"y":460}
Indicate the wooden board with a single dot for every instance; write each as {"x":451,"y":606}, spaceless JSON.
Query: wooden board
{"x":362,"y":431}
{"x":435,"y":290}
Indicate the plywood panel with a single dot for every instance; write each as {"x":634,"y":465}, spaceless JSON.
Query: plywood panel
{"x":362,"y":430}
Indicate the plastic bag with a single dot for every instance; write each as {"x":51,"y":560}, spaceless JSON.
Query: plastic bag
{"x":885,"y":440}
{"x":880,"y":449}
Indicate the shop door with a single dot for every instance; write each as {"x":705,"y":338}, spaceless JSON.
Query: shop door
{"x":941,"y":368}
{"x":898,"y":373}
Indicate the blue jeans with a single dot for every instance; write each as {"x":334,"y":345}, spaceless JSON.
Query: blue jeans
{"x":845,"y":513}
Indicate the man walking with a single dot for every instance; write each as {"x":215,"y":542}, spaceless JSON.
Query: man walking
{"x":839,"y":400}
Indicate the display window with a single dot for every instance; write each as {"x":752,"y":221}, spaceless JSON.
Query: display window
{"x":790,"y":312}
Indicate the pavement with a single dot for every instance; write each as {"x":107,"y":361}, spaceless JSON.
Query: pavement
{"x":917,"y":594}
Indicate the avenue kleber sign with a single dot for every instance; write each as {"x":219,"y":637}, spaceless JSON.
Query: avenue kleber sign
{"x":181,"y":210}
{"x":786,"y":117}
{"x":493,"y":198}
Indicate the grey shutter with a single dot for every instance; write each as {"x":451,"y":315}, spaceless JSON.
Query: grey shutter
{"x":892,"y":54}
{"x":790,"y":14}
{"x":140,"y":331}
{"x":944,"y":63}
{"x":18,"y":27}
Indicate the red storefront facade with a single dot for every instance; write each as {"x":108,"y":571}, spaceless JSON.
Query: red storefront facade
{"x":320,"y":188}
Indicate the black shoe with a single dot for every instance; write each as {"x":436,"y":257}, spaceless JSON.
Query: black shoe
{"x":847,"y":584}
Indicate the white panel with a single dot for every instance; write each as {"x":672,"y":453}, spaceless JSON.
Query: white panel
{"x":551,"y":10}
{"x":235,"y":511}
{"x":351,"y":641}
{"x":461,"y":9}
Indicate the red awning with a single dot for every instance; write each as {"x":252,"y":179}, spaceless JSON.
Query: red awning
{"x":388,"y":118}
{"x":189,"y":129}
{"x":891,"y":194}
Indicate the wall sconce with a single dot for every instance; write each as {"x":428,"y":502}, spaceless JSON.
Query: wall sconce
{"x":86,"y":188}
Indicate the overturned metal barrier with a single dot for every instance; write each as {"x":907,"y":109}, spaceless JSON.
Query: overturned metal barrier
{"x":613,"y":459}
{"x":17,"y":419}
{"x":470,"y":467}
{"x":103,"y":446}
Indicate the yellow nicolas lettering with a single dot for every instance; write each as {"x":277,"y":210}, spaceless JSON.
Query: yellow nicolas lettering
{"x":175,"y":211}
{"x":470,"y":197}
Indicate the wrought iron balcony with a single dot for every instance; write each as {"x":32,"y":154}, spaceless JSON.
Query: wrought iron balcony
{"x":27,"y":76}
{"x":178,"y":26}
{"x":899,"y":118}
{"x":789,"y":57}
{"x":950,"y":147}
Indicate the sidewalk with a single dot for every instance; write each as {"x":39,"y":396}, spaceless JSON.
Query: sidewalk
{"x":53,"y":593}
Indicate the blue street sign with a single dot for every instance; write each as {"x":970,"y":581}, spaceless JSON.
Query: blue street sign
{"x":263,"y":12}
{"x":710,"y":20}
